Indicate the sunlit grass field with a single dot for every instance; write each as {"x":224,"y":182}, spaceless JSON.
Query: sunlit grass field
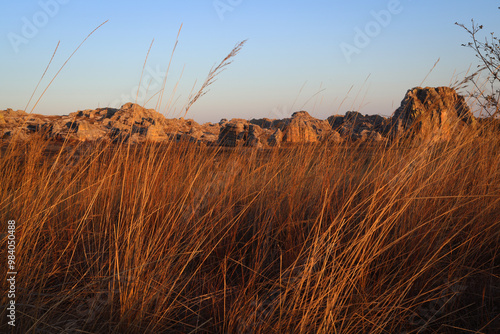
{"x":180,"y":238}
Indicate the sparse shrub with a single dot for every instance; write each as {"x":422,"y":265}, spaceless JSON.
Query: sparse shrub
{"x":488,"y":53}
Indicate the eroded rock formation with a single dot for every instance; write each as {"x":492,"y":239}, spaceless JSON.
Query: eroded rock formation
{"x":303,"y":128}
{"x":428,"y":113}
{"x":355,"y":126}
{"x":431,"y":114}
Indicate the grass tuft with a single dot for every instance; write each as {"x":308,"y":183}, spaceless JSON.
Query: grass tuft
{"x":179,"y":238}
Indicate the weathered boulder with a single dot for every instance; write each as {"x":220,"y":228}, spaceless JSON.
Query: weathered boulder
{"x":264,"y":123}
{"x":233,"y":133}
{"x":134,"y":122}
{"x":370,"y":136}
{"x":175,"y":125}
{"x":20,"y":124}
{"x":11,"y":116}
{"x":255,"y":136}
{"x":431,"y":114}
{"x":276,"y":138}
{"x":76,"y":128}
{"x":336,"y":121}
{"x":207,"y":133}
{"x":333,"y":137}
{"x":13,"y":124}
{"x":354,"y":126}
{"x":303,"y":128}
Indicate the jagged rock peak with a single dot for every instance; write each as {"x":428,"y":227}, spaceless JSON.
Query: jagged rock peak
{"x":301,"y":114}
{"x":136,"y":109}
{"x":432,"y":112}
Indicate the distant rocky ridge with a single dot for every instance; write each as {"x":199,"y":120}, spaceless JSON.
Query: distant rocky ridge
{"x":428,"y":113}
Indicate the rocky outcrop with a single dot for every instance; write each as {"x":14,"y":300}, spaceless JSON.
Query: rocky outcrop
{"x":264,"y":123}
{"x":130,"y":122}
{"x":10,"y":115}
{"x":240,"y":132}
{"x":300,"y":128}
{"x":20,"y":125}
{"x":303,"y":128}
{"x":431,"y":114}
{"x":233,"y":133}
{"x":207,"y":133}
{"x":256,"y":136}
{"x":355,"y":126}
{"x":276,"y":138}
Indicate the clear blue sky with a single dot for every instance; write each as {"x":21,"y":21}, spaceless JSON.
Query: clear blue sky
{"x":299,"y":55}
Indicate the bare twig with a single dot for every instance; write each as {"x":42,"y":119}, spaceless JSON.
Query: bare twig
{"x":488,"y":52}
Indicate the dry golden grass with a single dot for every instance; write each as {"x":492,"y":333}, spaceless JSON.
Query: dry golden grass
{"x":311,"y":239}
